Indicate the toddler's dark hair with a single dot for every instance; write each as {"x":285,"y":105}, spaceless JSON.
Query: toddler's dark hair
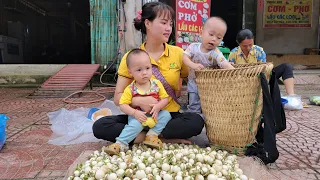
{"x":132,"y":53}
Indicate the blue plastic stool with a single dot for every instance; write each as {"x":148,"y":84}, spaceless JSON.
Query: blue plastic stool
{"x":3,"y":123}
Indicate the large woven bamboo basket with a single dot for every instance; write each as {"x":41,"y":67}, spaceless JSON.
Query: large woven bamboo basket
{"x":231,"y":102}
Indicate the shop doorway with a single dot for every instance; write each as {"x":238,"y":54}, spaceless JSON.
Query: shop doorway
{"x":51,"y":31}
{"x":231,"y":11}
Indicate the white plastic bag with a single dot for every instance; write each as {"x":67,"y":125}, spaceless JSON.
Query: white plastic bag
{"x":294,"y":102}
{"x":73,"y":126}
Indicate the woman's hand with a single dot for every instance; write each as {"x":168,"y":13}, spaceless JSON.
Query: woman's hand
{"x":145,"y":103}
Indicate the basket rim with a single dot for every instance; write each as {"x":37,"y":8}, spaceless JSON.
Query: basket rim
{"x":247,"y":66}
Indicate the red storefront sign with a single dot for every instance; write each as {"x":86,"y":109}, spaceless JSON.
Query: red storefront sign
{"x":260,"y":5}
{"x":190,"y":16}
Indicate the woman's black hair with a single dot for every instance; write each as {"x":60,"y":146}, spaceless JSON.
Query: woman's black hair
{"x":151,"y":11}
{"x":243,"y":35}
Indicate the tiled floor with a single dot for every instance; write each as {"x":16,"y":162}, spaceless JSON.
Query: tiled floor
{"x":27,"y":154}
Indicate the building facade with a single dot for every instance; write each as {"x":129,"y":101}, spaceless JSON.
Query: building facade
{"x":99,"y":31}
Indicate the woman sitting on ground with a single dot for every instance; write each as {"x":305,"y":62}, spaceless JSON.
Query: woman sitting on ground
{"x":155,"y":21}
